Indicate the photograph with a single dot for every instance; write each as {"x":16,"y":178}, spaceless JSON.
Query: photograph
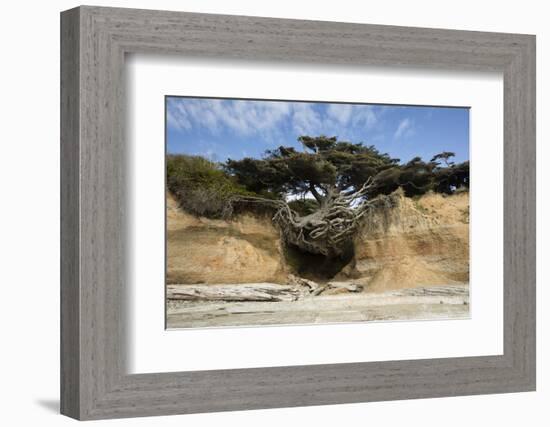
{"x":300,"y":212}
{"x":263,"y":215}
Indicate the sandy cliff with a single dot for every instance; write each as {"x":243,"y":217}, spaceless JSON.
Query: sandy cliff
{"x":418,"y":242}
{"x":202,"y":250}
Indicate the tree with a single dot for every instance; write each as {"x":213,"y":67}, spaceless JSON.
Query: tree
{"x":339,"y":178}
{"x":200,"y":186}
{"x":448,"y":179}
{"x":317,"y":196}
{"x":444,"y":156}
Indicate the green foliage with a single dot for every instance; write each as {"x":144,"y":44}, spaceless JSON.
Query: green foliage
{"x":324,"y":163}
{"x":450,"y":179}
{"x":200,"y":186}
{"x":444,"y":156}
{"x":343,"y":166}
{"x":325,"y":167}
{"x":418,"y":177}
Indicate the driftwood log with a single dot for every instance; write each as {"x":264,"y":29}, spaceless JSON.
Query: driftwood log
{"x":237,"y":292}
{"x":296,"y":288}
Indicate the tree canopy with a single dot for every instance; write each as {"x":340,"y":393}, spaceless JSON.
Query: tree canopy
{"x":327,"y":165}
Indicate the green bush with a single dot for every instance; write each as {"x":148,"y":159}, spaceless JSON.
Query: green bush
{"x":200,"y":186}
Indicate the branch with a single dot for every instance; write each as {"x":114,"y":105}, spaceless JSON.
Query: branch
{"x":283,"y":211}
{"x":315,"y":193}
{"x":348,"y":198}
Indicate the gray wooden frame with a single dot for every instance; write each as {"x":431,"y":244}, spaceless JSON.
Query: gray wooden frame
{"x":94,"y":382}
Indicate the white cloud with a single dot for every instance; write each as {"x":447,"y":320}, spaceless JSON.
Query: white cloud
{"x":269,"y":119}
{"x":305,"y":120}
{"x":404,"y":129}
{"x":342,"y":115}
{"x":177,"y":116}
{"x":242,"y":117}
{"x":365,"y":116}
{"x":340,"y":112}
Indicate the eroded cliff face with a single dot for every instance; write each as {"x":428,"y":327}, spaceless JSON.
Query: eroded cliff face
{"x":202,"y":250}
{"x":417,"y":242}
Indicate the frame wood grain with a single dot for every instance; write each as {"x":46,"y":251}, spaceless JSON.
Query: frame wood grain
{"x":94,"y":381}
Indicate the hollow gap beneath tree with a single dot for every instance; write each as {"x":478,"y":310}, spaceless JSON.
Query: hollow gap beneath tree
{"x":317,"y":267}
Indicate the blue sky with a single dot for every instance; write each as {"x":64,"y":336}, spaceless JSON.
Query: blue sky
{"x":220,"y":128}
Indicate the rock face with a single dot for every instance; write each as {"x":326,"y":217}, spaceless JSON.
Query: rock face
{"x":202,"y":250}
{"x":418,"y":242}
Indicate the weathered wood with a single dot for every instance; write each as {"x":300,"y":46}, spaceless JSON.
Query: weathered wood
{"x":305,"y":285}
{"x":96,"y":383}
{"x":442,"y":291}
{"x":297,"y":288}
{"x":230,"y":292}
{"x":70,"y":220}
{"x":349,"y":286}
{"x":319,"y":290}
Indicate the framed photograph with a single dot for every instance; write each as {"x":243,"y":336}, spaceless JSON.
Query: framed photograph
{"x":320,"y":229}
{"x":262,"y":213}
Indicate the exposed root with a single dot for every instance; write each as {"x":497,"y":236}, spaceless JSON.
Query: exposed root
{"x":328,"y":230}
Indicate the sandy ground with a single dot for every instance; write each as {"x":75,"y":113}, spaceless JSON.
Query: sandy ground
{"x":425,"y":303}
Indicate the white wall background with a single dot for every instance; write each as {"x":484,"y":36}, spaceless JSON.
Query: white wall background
{"x":29,"y":214}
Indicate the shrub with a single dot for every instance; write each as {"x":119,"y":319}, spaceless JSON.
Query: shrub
{"x":200,"y":186}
